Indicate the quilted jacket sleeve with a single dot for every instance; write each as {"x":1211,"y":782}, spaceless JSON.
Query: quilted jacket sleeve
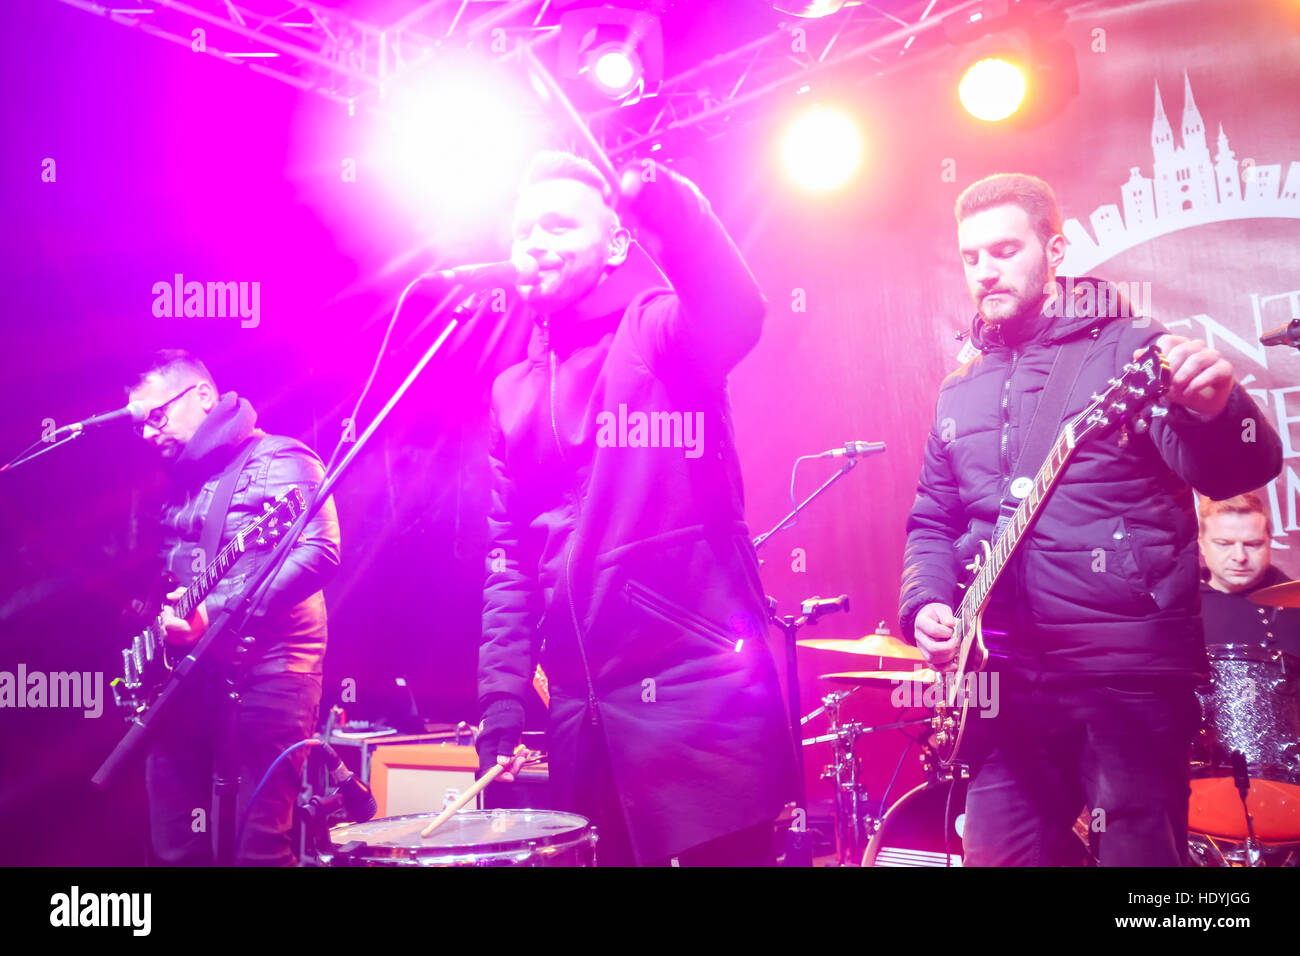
{"x":510,"y":592}
{"x":935,"y":523}
{"x":717,"y":315}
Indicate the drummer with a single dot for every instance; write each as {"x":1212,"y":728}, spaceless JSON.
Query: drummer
{"x":1235,"y":543}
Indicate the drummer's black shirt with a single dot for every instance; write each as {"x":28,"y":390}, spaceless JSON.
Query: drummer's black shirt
{"x":1233,"y":619}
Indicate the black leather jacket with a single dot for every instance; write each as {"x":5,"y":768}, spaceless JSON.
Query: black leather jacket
{"x":291,"y":629}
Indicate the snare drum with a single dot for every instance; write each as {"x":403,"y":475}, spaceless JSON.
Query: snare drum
{"x":470,"y":838}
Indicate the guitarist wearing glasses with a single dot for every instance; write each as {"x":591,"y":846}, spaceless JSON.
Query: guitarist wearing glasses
{"x":223,"y":470}
{"x":1094,"y":626}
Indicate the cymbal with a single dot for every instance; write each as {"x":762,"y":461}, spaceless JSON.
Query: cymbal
{"x":871,"y":677}
{"x":873,"y":645}
{"x":1286,"y":594}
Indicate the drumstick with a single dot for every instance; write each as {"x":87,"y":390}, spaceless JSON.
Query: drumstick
{"x":463,"y":799}
{"x":474,"y":791}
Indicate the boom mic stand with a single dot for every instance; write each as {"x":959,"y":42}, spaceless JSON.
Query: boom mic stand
{"x":799,"y":845}
{"x":241,"y":607}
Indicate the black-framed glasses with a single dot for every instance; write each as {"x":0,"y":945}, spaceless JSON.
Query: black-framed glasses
{"x":158,"y":417}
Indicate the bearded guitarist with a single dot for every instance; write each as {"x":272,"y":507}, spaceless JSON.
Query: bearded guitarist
{"x":204,"y":439}
{"x":1094,"y":627}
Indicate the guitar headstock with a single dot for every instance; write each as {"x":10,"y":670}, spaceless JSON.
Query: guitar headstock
{"x":1139,"y":384}
{"x":276,"y":518}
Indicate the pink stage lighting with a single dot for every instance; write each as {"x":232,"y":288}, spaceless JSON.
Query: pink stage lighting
{"x":457,"y":137}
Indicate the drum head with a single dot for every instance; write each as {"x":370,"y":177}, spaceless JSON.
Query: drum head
{"x":468,"y":833}
{"x":1215,"y":808}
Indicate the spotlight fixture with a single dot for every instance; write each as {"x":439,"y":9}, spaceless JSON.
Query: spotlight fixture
{"x":619,"y":52}
{"x":1012,"y":61}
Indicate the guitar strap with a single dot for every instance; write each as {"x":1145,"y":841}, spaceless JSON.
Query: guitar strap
{"x":215,"y":520}
{"x":1045,"y":425}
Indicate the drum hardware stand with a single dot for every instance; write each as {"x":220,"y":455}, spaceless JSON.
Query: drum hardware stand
{"x":1242,"y":775}
{"x":311,"y":823}
{"x":845,"y":769}
{"x":853,"y":824}
{"x":798,"y":851}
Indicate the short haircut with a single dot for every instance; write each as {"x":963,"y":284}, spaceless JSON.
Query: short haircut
{"x":556,"y":164}
{"x":169,"y":362}
{"x":1030,"y":193}
{"x":1247,"y":504}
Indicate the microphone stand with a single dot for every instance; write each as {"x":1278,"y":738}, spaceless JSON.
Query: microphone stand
{"x":798,"y":844}
{"x":23,"y":458}
{"x":848,"y":466}
{"x":241,"y":607}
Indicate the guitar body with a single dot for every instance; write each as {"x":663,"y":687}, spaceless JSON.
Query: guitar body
{"x":949,"y":720}
{"x":148,"y":661}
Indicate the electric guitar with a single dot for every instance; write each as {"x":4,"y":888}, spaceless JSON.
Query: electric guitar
{"x":147,"y":661}
{"x":1125,"y":402}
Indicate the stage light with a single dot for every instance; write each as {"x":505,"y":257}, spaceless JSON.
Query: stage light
{"x":619,"y":52}
{"x":615,"y":70}
{"x":992,"y":89}
{"x":1012,"y":62}
{"x":822,"y":149}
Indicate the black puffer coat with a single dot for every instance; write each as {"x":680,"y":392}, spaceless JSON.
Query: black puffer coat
{"x":629,"y":570}
{"x":1106,"y":583}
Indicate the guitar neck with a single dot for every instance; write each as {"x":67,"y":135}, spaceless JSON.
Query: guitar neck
{"x":1000,"y":553}
{"x":207,"y":579}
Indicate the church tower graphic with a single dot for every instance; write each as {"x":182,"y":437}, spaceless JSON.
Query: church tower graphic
{"x":1187,"y":187}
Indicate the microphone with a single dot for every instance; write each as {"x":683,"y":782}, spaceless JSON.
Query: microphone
{"x":358,"y":801}
{"x":854,"y":449}
{"x":488,"y":274}
{"x":136,"y":410}
{"x":1288,"y":334}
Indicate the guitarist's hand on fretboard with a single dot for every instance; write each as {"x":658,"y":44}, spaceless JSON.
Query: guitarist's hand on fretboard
{"x":183,"y":633}
{"x":934,"y":635}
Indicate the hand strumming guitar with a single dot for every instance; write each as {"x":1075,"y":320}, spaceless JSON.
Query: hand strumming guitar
{"x":186,"y":632}
{"x":934,"y":635}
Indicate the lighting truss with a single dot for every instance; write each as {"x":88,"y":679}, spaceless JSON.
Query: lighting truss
{"x":325,"y":51}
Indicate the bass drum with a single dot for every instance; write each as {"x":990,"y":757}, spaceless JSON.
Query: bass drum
{"x":470,"y":838}
{"x":1251,"y":707}
{"x":924,"y":828}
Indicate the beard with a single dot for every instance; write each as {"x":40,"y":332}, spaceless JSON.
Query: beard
{"x":1013,"y":306}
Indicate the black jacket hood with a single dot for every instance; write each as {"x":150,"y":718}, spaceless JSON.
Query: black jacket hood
{"x":228,"y":426}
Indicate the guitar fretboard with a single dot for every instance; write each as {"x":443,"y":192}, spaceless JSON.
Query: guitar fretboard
{"x":207,"y":579}
{"x":1001,"y":551}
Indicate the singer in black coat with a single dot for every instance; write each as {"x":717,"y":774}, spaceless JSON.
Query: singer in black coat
{"x":620,"y":558}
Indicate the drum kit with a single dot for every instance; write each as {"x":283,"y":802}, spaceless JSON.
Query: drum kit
{"x":1245,"y":803}
{"x":921,"y":828}
{"x":1244,"y":808}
